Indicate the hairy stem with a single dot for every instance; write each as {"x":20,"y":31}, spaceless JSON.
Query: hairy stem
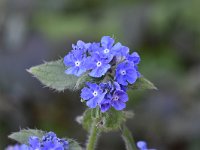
{"x":93,"y":136}
{"x":128,"y":138}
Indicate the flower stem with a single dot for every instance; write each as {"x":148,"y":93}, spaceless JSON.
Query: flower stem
{"x":93,"y":136}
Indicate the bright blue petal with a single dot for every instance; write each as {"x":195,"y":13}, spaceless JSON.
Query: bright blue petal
{"x":105,"y":106}
{"x":86,"y":93}
{"x":92,"y":103}
{"x":68,"y":60}
{"x":121,"y":80}
{"x":99,"y":71}
{"x":34,"y":142}
{"x":123,"y":96}
{"x":118,"y":105}
{"x":131,"y":76}
{"x":134,"y":57}
{"x":107,"y":42}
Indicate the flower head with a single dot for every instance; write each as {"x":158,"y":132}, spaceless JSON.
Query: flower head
{"x":118,"y":99}
{"x":98,"y":65}
{"x":126,"y":73}
{"x":93,"y":94}
{"x":112,"y":64}
{"x":75,"y":61}
{"x":115,"y":97}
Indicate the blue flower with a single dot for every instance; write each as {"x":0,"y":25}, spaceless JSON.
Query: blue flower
{"x":18,"y":147}
{"x":126,"y":73}
{"x":75,"y":61}
{"x":98,"y":65}
{"x":51,"y":141}
{"x":81,"y":46}
{"x":115,"y":97}
{"x":142,"y":145}
{"x":109,"y":49}
{"x":119,"y":99}
{"x":134,"y":57}
{"x":93,"y":95}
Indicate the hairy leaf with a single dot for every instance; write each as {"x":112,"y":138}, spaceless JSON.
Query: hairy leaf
{"x":73,"y":145}
{"x":52,"y":74}
{"x":143,"y":83}
{"x":23,"y":135}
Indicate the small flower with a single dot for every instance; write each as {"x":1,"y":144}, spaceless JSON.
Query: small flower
{"x":115,"y":97}
{"x":126,"y":73}
{"x":118,"y":99}
{"x":98,"y":65}
{"x":93,"y":95}
{"x":109,"y":49}
{"x":134,"y":57}
{"x":81,"y":46}
{"x":75,"y":61}
{"x":142,"y":145}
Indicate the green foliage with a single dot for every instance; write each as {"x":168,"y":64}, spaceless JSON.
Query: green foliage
{"x":52,"y":74}
{"x":128,"y":139}
{"x":109,"y":121}
{"x":143,"y":83}
{"x":23,"y":135}
{"x":73,"y":145}
{"x":113,"y":120}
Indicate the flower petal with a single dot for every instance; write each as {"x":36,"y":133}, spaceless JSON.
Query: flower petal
{"x":86,"y":93}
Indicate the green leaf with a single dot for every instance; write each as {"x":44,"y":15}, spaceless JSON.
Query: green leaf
{"x":73,"y":145}
{"x":128,"y":139}
{"x":108,"y":121}
{"x":23,"y":135}
{"x":143,"y":83}
{"x":52,"y":74}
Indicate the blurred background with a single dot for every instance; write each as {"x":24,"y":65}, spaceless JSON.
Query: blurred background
{"x":166,"y":34}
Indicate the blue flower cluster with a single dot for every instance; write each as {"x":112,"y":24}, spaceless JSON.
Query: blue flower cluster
{"x":108,"y":61}
{"x":49,"y":141}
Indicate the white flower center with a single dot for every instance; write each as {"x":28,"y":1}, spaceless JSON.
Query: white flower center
{"x":77,"y":63}
{"x":95,"y":93}
{"x":115,"y":98}
{"x":106,"y":51}
{"x":98,"y":64}
{"x":123,"y":72}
